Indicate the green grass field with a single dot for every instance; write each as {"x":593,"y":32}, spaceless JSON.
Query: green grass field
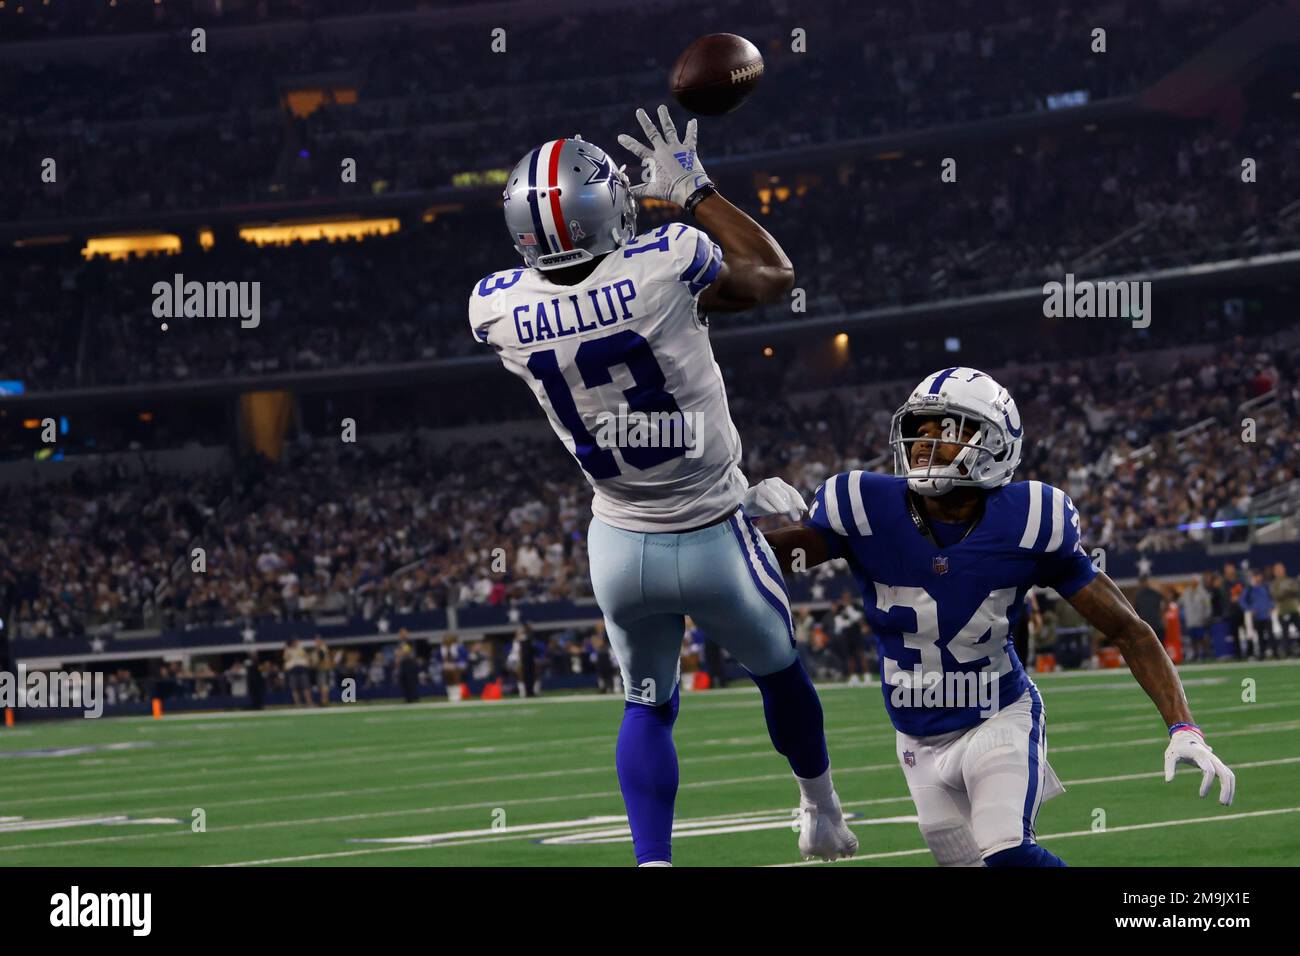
{"x":532,"y":783}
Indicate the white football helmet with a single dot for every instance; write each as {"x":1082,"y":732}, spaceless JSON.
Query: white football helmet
{"x":961,"y":397}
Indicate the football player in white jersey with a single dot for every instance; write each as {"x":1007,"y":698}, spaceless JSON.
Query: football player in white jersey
{"x":944,"y":551}
{"x":609,"y":329}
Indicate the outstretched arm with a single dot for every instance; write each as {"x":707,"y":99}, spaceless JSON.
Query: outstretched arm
{"x":798,"y":547}
{"x":755,"y":269}
{"x":1103,"y":604}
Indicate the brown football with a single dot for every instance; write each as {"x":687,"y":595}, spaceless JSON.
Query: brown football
{"x":716,"y":73}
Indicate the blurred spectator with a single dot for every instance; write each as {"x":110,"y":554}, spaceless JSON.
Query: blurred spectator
{"x":297,"y":668}
{"x":1285,"y":592}
{"x":1258,"y":605}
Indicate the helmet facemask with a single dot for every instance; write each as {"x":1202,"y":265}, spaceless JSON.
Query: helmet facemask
{"x":968,"y":468}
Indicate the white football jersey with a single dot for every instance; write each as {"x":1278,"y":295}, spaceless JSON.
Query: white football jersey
{"x":622,"y":365}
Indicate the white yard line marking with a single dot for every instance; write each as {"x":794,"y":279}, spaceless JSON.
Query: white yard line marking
{"x":430,"y":839}
{"x":558,"y":798}
{"x":19,"y":825}
{"x":15,"y":785}
{"x":744,"y":822}
{"x":710,"y":827}
{"x":115,"y":795}
{"x":268,"y":762}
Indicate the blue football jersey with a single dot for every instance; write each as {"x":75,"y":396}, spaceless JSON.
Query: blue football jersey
{"x":944,"y":616}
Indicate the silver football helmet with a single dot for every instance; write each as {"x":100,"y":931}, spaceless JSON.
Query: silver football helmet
{"x":566,"y":202}
{"x":962,"y":398}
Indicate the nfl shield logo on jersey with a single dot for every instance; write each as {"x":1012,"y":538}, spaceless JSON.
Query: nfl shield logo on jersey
{"x":941,"y":564}
{"x":909,"y":758}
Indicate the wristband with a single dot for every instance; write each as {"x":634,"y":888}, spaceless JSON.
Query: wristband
{"x":1185,"y":726}
{"x":697,"y":197}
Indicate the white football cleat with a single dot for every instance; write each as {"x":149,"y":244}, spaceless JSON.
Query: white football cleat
{"x":823,"y":832}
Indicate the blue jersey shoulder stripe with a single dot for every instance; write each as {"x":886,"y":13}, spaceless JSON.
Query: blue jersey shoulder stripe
{"x":705,"y":265}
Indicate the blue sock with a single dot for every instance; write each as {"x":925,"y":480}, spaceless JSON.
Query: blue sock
{"x":794,"y":719}
{"x":647,"y":775}
{"x":1027,"y":854}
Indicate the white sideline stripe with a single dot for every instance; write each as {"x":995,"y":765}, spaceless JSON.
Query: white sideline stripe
{"x":558,"y":798}
{"x":1159,"y":824}
{"x":1035,"y":518}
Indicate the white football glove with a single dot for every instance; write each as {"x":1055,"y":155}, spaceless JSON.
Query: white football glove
{"x":670,"y":169}
{"x":1188,"y":746}
{"x":772,"y":496}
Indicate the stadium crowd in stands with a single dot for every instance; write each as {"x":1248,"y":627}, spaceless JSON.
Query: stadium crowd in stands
{"x":1234,"y":614}
{"x":433,"y":101}
{"x":338,"y":528}
{"x":1019,"y":221}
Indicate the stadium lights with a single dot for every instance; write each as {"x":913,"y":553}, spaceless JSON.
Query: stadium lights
{"x":283,"y":233}
{"x":123,"y":246}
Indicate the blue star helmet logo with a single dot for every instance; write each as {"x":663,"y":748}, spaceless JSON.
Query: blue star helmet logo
{"x":602,"y":172}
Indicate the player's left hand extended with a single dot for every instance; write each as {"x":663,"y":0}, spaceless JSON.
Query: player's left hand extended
{"x":772,"y":496}
{"x":670,"y":168}
{"x":1188,"y":746}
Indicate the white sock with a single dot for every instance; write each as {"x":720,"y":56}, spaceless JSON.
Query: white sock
{"x":817,"y":791}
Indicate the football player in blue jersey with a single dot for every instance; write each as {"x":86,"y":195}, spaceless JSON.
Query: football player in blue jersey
{"x":944,"y":551}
